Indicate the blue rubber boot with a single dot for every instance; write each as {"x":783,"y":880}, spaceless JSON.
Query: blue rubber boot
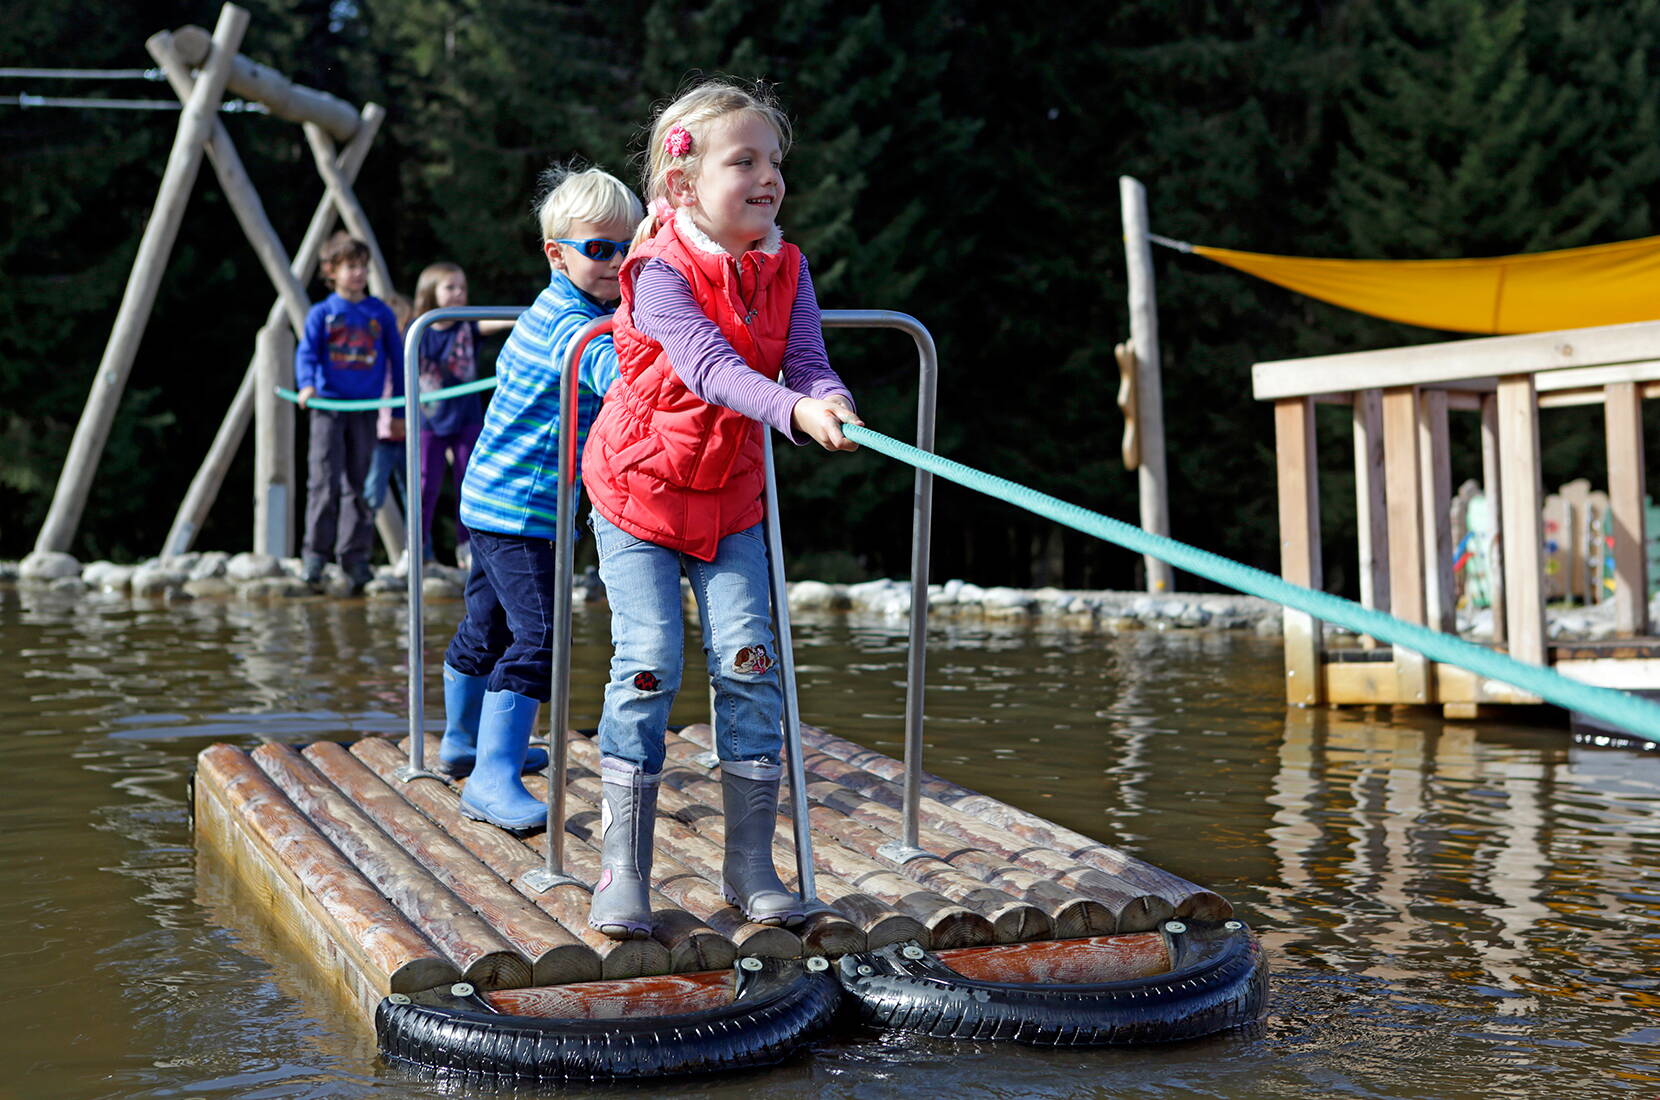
{"x":494,"y":792}
{"x":463,"y":696}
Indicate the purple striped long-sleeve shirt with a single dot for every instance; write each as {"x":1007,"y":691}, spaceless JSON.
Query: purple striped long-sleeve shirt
{"x":665,"y":310}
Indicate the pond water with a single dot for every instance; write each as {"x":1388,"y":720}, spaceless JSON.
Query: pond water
{"x":1452,"y":910}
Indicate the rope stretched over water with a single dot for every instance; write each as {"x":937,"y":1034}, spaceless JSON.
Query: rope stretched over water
{"x":1639,"y":716}
{"x":365,"y":404}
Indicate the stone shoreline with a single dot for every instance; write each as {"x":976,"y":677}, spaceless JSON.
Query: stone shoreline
{"x":247,"y":576}
{"x":217,"y":575}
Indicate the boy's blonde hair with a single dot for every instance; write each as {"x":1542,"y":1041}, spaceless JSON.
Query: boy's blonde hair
{"x":694,"y":111}
{"x":588,"y":195}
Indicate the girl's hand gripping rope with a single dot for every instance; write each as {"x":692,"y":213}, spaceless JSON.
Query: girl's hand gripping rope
{"x":823,"y":421}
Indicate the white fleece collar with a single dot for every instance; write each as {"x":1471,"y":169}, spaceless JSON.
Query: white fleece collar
{"x":688,"y":230}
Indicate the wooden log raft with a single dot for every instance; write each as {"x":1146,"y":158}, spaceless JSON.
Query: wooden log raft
{"x":823,"y":933}
{"x":1185,"y":898}
{"x":697,"y":829}
{"x":511,"y":859}
{"x":877,"y":923}
{"x":483,"y":957}
{"x":555,"y":956}
{"x":1129,"y":909}
{"x":672,"y":876}
{"x":1134,"y":908}
{"x":1075,"y":915}
{"x":334,"y":909}
{"x":693,"y":944}
{"x":948,"y":924}
{"x":1012,"y":919}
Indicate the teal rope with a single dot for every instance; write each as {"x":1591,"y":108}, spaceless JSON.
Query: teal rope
{"x":364,"y":404}
{"x":1630,"y":712}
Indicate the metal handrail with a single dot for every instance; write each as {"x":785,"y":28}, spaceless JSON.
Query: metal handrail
{"x":922,"y":512}
{"x":553,"y":872}
{"x":414,"y":545}
{"x":907,"y":847}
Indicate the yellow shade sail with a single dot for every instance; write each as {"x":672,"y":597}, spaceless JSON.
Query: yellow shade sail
{"x":1606,"y":284}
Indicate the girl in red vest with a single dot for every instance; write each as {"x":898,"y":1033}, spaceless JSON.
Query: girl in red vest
{"x":718,"y":337}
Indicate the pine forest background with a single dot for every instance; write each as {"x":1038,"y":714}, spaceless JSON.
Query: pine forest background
{"x":956,"y":161}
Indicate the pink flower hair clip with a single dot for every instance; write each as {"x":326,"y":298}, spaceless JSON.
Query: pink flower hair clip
{"x":677,"y":142}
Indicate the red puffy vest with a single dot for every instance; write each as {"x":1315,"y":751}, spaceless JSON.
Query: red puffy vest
{"x":661,"y":463}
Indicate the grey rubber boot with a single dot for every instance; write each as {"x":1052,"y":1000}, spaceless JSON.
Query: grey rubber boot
{"x":621,"y":908}
{"x":749,"y":793}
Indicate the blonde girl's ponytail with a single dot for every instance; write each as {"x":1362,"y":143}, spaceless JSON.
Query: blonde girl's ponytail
{"x":658,"y":213}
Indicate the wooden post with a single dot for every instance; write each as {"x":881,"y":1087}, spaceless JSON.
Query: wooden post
{"x":1492,"y":489}
{"x":1623,"y":414}
{"x":1299,"y":493}
{"x":1406,"y":534}
{"x":238,"y":188}
{"x":1524,"y":572}
{"x":1435,"y":481}
{"x":1371,"y":512}
{"x":87,"y":447}
{"x":357,"y":222}
{"x":1144,"y":338}
{"x":204,"y":487}
{"x":275,"y":487}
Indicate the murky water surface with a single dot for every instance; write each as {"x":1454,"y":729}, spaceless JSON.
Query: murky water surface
{"x":1451,"y":910}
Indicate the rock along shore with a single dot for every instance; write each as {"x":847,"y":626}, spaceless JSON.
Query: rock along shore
{"x":246,"y":576}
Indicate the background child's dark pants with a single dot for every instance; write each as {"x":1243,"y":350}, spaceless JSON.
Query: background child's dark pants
{"x":507,"y":633}
{"x":338,"y":524}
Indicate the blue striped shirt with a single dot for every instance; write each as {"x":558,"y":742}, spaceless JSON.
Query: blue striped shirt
{"x":512,"y":481}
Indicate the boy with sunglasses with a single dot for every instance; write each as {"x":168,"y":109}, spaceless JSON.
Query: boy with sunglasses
{"x":497,"y":668}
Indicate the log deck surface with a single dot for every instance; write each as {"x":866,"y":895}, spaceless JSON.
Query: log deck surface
{"x":390,"y":890}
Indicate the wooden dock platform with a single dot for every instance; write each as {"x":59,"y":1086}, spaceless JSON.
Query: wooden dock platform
{"x":388,"y":889}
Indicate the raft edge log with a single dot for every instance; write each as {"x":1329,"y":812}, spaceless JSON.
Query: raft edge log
{"x":483,"y":957}
{"x":374,"y":951}
{"x":541,"y":940}
{"x":510,"y":858}
{"x":680,"y":944}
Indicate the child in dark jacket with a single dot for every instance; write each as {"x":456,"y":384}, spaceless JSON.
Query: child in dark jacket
{"x":349,"y":345}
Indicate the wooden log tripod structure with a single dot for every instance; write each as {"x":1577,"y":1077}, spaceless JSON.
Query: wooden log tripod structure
{"x":218,"y":67}
{"x":1401,"y":399}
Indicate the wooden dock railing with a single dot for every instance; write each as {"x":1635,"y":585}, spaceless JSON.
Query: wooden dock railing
{"x":1402,"y":399}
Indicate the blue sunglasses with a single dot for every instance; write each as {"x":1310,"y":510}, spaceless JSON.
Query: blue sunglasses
{"x":597,"y":249}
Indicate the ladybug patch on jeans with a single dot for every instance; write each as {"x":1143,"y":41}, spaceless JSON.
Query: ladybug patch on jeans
{"x":646,"y":681}
{"x":752,"y":659}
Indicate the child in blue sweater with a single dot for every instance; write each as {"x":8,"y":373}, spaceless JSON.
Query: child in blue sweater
{"x":349,"y":345}
{"x":496,"y":670}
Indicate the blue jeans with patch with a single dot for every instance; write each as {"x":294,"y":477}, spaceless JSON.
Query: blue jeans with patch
{"x":642,"y":583}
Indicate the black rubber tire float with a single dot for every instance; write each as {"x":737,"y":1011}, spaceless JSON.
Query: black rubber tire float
{"x":779,"y":1003}
{"x":1218,"y":980}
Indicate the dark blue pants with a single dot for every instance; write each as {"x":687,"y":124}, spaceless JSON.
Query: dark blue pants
{"x":338,"y":525}
{"x":507,"y":633}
